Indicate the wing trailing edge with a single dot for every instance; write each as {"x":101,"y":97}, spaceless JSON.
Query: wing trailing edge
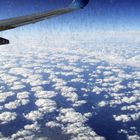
{"x":11,"y":23}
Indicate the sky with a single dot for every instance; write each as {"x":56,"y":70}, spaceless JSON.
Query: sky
{"x":98,"y":15}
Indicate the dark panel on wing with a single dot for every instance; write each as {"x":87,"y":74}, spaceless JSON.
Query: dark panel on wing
{"x":3,"y":41}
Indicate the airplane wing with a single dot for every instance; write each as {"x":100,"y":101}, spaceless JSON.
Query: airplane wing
{"x":11,"y":23}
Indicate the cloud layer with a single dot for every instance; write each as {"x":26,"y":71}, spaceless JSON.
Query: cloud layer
{"x":69,"y":88}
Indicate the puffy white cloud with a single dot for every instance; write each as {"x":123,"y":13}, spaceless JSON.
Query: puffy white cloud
{"x":135,"y":107}
{"x":34,"y":115}
{"x":53,"y":124}
{"x":21,"y":71}
{"x":15,"y":104}
{"x":135,"y":116}
{"x":6,"y":117}
{"x":8,"y":79}
{"x":32,"y":127}
{"x":97,"y":90}
{"x":45,"y":94}
{"x":75,"y":80}
{"x":75,"y":124}
{"x":123,"y":131}
{"x":71,"y":96}
{"x":135,"y":84}
{"x":123,"y":118}
{"x":118,"y":87}
{"x":39,"y":66}
{"x":79,"y":103}
{"x":129,"y":100}
{"x":70,"y":116}
{"x":38,"y":82}
{"x":17,"y":86}
{"x":5,"y":95}
{"x":102,"y":104}
{"x":107,"y":73}
{"x":37,"y":89}
{"x":133,"y":137}
{"x":23,"y":135}
{"x":46,"y":105}
{"x":24,"y":101}
{"x":23,"y":95}
{"x":12,"y":105}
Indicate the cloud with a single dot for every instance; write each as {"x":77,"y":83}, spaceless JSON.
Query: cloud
{"x":23,"y":95}
{"x":23,"y":134}
{"x":45,"y":94}
{"x":129,"y":100}
{"x":53,"y":124}
{"x":32,"y":127}
{"x":34,"y":116}
{"x":131,"y":107}
{"x":78,"y":80}
{"x":71,"y":96}
{"x":102,"y":104}
{"x":13,"y":105}
{"x":74,"y":124}
{"x":48,"y":74}
{"x":21,"y":71}
{"x":79,"y":103}
{"x":7,"y":117}
{"x":17,"y":86}
{"x":5,"y":95}
{"x":8,"y":79}
{"x":133,"y":137}
{"x":46,"y":105}
{"x":37,"y":89}
{"x":70,"y":116}
{"x":97,"y":90}
{"x":123,"y":118}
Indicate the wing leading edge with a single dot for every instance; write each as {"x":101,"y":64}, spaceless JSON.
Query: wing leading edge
{"x":11,"y":23}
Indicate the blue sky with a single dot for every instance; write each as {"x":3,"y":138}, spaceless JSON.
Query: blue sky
{"x":98,"y":15}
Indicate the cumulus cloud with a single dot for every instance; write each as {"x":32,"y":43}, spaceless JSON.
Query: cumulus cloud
{"x":22,"y":95}
{"x":34,"y":115}
{"x":102,"y":104}
{"x":45,"y":94}
{"x":79,"y":103}
{"x":44,"y":75}
{"x":6,"y":117}
{"x":53,"y":124}
{"x":70,"y":116}
{"x":5,"y":95}
{"x":123,"y":118}
{"x":133,"y":137}
{"x":23,"y":134}
{"x":12,"y":105}
{"x":37,"y":89}
{"x":32,"y":127}
{"x":15,"y":104}
{"x":71,"y":96}
{"x":8,"y":79}
{"x":17,"y":86}
{"x":21,"y":71}
{"x":129,"y":100}
{"x":75,"y":124}
{"x":46,"y":105}
{"x":97,"y":90}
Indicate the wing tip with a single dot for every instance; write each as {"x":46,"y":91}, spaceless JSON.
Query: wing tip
{"x":79,"y":3}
